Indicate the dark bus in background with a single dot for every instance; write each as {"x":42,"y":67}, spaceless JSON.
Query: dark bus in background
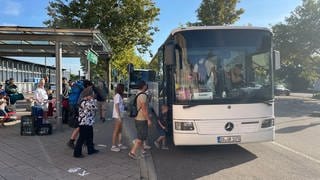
{"x":137,"y":75}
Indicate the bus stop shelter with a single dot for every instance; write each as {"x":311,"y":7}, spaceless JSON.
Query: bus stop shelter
{"x":53,"y":42}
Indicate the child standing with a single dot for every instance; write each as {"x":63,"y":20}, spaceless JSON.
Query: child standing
{"x":162,"y":128}
{"x":86,"y":118}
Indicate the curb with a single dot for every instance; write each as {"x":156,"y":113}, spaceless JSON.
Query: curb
{"x":147,"y":168}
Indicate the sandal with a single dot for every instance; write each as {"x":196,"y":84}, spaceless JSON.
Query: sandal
{"x":132,"y":155}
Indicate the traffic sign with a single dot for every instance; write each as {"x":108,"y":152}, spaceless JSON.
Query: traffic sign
{"x":92,"y":56}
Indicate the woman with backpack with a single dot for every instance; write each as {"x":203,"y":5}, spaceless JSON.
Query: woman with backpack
{"x":118,"y":114}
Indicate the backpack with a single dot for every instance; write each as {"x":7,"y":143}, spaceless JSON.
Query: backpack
{"x":75,"y":92}
{"x":132,"y":108}
{"x":101,"y":92}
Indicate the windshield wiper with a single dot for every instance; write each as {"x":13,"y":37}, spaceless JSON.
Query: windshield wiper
{"x":268,"y":102}
{"x":189,"y":106}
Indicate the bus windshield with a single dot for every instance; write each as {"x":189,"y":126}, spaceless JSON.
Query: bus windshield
{"x":223,"y":66}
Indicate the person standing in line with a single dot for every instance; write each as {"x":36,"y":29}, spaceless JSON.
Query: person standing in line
{"x":65,"y":100}
{"x":118,"y":115}
{"x":142,"y":120}
{"x":74,"y":95}
{"x":87,"y":107}
{"x":101,"y":91}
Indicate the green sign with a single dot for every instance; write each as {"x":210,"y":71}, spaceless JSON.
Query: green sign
{"x":92,"y":56}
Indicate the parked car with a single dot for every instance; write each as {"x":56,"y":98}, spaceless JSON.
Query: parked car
{"x":281,"y":90}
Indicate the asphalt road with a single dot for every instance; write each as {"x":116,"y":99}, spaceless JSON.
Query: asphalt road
{"x":295,"y":153}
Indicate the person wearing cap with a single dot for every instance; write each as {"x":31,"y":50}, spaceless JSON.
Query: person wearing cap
{"x":86,"y":119}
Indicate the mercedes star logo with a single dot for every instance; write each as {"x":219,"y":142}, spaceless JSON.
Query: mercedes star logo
{"x":229,"y":126}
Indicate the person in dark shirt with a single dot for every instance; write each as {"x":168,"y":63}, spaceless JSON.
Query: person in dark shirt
{"x":162,"y":127}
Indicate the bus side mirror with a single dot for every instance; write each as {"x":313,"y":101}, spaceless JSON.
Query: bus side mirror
{"x":276,"y":59}
{"x":169,"y":54}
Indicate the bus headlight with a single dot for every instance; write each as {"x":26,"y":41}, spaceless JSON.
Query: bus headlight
{"x":184,"y":126}
{"x":267,"y":123}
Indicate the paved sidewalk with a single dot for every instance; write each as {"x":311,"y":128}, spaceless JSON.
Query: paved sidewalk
{"x":48,"y":157}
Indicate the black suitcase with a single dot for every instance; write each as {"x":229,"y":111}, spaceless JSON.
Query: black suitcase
{"x":27,"y":126}
{"x":44,"y":129}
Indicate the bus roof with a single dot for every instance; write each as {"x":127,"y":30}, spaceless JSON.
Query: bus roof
{"x":191,"y":28}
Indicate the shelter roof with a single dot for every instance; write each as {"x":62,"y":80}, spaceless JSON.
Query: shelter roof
{"x":40,"y":41}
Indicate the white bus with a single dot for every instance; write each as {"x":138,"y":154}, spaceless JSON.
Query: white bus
{"x":217,"y":82}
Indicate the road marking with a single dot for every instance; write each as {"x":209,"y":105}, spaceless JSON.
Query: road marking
{"x":297,"y":152}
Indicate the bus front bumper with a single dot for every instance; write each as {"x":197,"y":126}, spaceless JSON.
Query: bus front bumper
{"x":184,"y":139}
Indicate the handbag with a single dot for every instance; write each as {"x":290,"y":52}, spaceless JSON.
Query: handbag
{"x":15,"y":97}
{"x":65,"y":103}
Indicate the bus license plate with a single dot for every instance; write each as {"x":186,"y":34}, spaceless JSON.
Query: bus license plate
{"x":229,"y":139}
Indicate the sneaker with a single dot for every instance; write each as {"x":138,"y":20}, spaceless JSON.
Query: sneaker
{"x":120,"y":146}
{"x":78,"y":156}
{"x":70,"y":143}
{"x":156,"y":144}
{"x":93,"y":151}
{"x":115,"y":149}
{"x":147,"y":147}
{"x":132,"y":156}
{"x":165,"y":148}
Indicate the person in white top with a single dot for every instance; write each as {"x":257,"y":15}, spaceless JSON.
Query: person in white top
{"x":118,"y":115}
{"x":41,"y":98}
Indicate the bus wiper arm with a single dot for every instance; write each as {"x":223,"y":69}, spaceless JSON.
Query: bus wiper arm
{"x":189,"y":106}
{"x":268,"y":102}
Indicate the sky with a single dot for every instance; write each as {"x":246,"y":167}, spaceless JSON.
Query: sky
{"x":173,"y":13}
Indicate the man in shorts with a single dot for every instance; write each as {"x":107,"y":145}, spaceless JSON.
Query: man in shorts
{"x":142,"y":120}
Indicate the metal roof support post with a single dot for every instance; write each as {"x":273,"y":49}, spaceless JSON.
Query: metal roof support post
{"x":88,"y":71}
{"x":58,"y":84}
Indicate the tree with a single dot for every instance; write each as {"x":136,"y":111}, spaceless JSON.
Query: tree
{"x":122,"y":61}
{"x":218,"y":12}
{"x":299,"y":43}
{"x":125,"y":23}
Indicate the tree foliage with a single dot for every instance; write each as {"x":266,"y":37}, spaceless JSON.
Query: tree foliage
{"x":125,"y":23}
{"x":123,"y":59}
{"x":218,"y":12}
{"x":298,"y":40}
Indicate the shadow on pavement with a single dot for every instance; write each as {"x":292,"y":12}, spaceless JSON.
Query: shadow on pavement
{"x":295,"y":128}
{"x":198,"y":161}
